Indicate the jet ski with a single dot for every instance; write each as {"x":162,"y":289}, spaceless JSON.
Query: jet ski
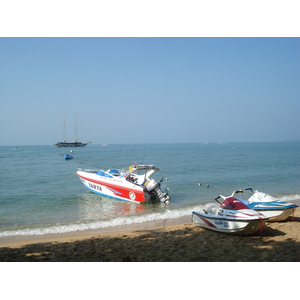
{"x":275,"y":210}
{"x":229,"y":216}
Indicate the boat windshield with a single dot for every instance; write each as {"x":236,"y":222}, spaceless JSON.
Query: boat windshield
{"x":101,"y":173}
{"x":233,"y":204}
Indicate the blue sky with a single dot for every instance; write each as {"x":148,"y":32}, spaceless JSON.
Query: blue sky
{"x":149,"y":90}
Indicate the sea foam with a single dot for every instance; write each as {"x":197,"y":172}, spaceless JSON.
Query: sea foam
{"x":119,"y":221}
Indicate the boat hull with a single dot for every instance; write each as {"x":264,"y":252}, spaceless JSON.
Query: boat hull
{"x":68,"y":156}
{"x":227,"y":225}
{"x":274,"y":210}
{"x":113,"y":187}
{"x":75,"y":144}
{"x":276,"y":215}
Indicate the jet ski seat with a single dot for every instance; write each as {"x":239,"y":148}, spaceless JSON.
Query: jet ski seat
{"x":211,"y":208}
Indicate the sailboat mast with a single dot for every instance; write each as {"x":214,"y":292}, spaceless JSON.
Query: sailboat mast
{"x":76,"y":131}
{"x":65,"y":132}
{"x":75,"y":143}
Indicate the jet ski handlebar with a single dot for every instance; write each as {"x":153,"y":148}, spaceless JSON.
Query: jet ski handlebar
{"x":236,"y":192}
{"x":223,"y":197}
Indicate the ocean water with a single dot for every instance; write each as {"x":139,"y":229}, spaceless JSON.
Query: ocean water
{"x":40,"y":193}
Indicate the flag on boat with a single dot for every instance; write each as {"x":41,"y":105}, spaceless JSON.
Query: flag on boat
{"x":134,"y":165}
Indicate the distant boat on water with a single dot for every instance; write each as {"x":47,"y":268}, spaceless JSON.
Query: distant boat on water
{"x":75,"y":143}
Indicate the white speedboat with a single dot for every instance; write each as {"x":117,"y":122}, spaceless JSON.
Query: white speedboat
{"x":133,"y":184}
{"x":275,"y":210}
{"x":230,"y":216}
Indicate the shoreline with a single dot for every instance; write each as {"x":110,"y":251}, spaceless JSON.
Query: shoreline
{"x":166,"y":242}
{"x":85,"y":234}
{"x":18,"y":241}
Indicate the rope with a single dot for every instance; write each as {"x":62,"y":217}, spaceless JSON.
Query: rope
{"x":166,"y":173}
{"x":79,"y":162}
{"x":86,"y":164}
{"x":208,"y":186}
{"x":58,"y":182}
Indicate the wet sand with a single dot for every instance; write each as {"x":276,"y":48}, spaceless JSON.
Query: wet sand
{"x":185,"y":242}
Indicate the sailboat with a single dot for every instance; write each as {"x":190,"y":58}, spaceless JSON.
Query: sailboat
{"x":75,"y":143}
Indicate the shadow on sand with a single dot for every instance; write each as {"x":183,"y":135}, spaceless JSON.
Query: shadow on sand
{"x":190,"y":244}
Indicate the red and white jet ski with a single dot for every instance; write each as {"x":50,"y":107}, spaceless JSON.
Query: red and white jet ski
{"x":230,"y":216}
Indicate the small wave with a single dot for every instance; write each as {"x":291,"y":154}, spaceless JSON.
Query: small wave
{"x":119,"y":221}
{"x":287,"y":198}
{"x":73,"y":227}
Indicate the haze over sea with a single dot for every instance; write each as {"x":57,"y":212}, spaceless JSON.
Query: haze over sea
{"x":41,"y":193}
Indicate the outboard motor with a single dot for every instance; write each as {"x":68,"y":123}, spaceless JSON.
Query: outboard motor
{"x":153,"y":188}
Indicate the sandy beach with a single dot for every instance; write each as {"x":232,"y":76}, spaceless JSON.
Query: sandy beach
{"x":185,"y":242}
